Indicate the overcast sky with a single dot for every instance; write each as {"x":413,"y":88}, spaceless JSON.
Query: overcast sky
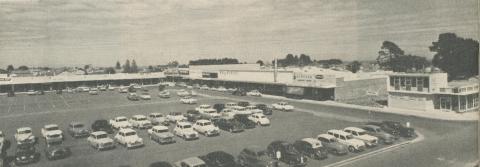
{"x":77,"y":32}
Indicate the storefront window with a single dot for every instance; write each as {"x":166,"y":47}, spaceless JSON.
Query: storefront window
{"x":469,"y":101}
{"x":463,"y":102}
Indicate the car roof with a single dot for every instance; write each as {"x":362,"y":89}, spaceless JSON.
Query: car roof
{"x":24,"y":128}
{"x":98,"y":133}
{"x":355,"y":129}
{"x":238,"y":107}
{"x":184,"y":123}
{"x":338,"y":132}
{"x":194,"y":161}
{"x":126,"y":130}
{"x":139,"y":116}
{"x":155,"y":113}
{"x":311,"y":140}
{"x":203,"y":121}
{"x":326,"y":136}
{"x":204,"y":105}
{"x":159,"y":127}
{"x":231,"y":103}
{"x":371,"y":126}
{"x":51,"y":125}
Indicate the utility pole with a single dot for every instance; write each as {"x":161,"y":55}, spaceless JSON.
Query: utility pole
{"x":275,"y":71}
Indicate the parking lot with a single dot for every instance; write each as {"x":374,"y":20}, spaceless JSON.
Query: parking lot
{"x":37,"y":111}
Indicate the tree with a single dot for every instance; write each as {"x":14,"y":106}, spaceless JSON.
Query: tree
{"x":354,"y":66}
{"x":134,"y":67}
{"x":260,"y":62}
{"x":455,"y":55}
{"x":118,"y":66}
{"x":85,"y":69}
{"x":23,"y":68}
{"x":109,"y":70}
{"x":126,"y":66}
{"x":304,"y":60}
{"x":388,"y":51}
{"x":10,"y":68}
{"x":150,"y":68}
{"x":173,"y":63}
{"x":408,"y":63}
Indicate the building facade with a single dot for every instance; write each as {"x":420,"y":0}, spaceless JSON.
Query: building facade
{"x":431,"y":92}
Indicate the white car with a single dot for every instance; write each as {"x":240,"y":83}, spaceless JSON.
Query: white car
{"x":52,"y":133}
{"x":361,"y":134}
{"x":175,"y":117}
{"x":164,"y":94}
{"x":230,"y":105}
{"x":206,"y":128}
{"x":227,"y":113}
{"x":123,"y":89}
{"x":111,"y":88}
{"x":102,"y":88}
{"x":24,"y":135}
{"x":231,"y":89}
{"x":145,"y":96}
{"x":140,"y":121}
{"x":347,"y":139}
{"x":203,"y":107}
{"x":193,"y":93}
{"x":241,"y":110}
{"x":161,"y":135}
{"x":100,"y":140}
{"x":83,"y":89}
{"x":209,"y":113}
{"x":222,"y":89}
{"x":254,"y":93}
{"x":182,"y":93}
{"x":188,"y":100}
{"x":93,"y":92}
{"x":260,"y":119}
{"x":2,"y":140}
{"x":31,"y":92}
{"x":253,"y":109}
{"x":136,"y":86}
{"x":128,"y":138}
{"x":120,"y":122}
{"x":204,"y":87}
{"x":157,"y":119}
{"x":284,"y":106}
{"x":185,"y":131}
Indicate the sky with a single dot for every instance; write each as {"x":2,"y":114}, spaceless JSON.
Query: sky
{"x":78,"y":32}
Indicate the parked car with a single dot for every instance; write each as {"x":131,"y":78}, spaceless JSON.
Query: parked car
{"x":253,"y":109}
{"x":230,"y":125}
{"x":26,"y":154}
{"x":145,"y":96}
{"x":175,"y":117}
{"x":243,"y":103}
{"x":227,"y":113}
{"x":161,"y":135}
{"x":209,"y":114}
{"x":182,"y":93}
{"x":204,"y":87}
{"x":128,"y":138}
{"x":332,"y":145}
{"x":219,"y":159}
{"x":78,"y":129}
{"x":254,"y":156}
{"x":133,"y":97}
{"x":164,"y":94}
{"x":230,"y":105}
{"x":311,"y":147}
{"x":240,"y":110}
{"x":102,"y":125}
{"x":52,"y":134}
{"x":185,"y":131}
{"x":192,"y":115}
{"x":358,"y":133}
{"x":123,"y":89}
{"x":283,"y":106}
{"x":83,"y":89}
{"x":239,"y":92}
{"x":191,"y":162}
{"x":57,"y":152}
{"x":140,"y":121}
{"x":100,"y":140}
{"x":254,"y":93}
{"x":31,"y":92}
{"x":93,"y":91}
{"x":266,"y":110}
{"x":158,"y":119}
{"x":2,"y":143}
{"x":219,"y":106}
{"x":376,"y":131}
{"x":247,"y":123}
{"x":353,"y":145}
{"x":395,"y":128}
{"x":288,"y":153}
{"x":120,"y":122}
{"x":160,"y":164}
{"x":206,"y":128}
{"x":24,"y":135}
{"x":260,"y":119}
{"x":193,"y":93}
{"x":188,"y":100}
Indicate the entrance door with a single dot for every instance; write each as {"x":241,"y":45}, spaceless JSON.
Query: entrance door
{"x":445,"y":103}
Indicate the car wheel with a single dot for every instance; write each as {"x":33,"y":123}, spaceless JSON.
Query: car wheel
{"x":351,"y":148}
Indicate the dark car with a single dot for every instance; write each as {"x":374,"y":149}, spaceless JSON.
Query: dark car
{"x":192,"y":115}
{"x":239,"y":93}
{"x":312,"y":148}
{"x":287,"y":153}
{"x":78,"y":129}
{"x":254,"y":156}
{"x":394,"y":128}
{"x":230,"y":125}
{"x":243,"y":103}
{"x":57,"y":152}
{"x":102,"y":125}
{"x":219,"y":159}
{"x":266,"y":110}
{"x":219,"y":106}
{"x":161,"y":164}
{"x":26,"y":154}
{"x":243,"y":119}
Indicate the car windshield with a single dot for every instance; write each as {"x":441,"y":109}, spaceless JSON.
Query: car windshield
{"x":349,"y":137}
{"x":156,"y":116}
{"x":121,"y":119}
{"x":141,"y":119}
{"x":207,"y":123}
{"x":176,"y":113}
{"x":130,"y":133}
{"x":102,"y":136}
{"x":25,"y":132}
{"x":54,"y":135}
{"x":52,"y":128}
{"x":240,"y":109}
{"x":187,"y":126}
{"x":262,"y":116}
{"x":78,"y":126}
{"x":162,"y":130}
{"x":210,"y":111}
{"x":361,"y":133}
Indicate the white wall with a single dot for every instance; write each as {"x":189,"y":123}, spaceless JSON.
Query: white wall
{"x":419,"y":102}
{"x":255,"y":76}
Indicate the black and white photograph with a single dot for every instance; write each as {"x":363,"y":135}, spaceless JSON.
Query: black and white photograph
{"x":239,"y":83}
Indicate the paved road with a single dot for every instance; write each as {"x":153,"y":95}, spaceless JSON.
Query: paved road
{"x":446,"y":143}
